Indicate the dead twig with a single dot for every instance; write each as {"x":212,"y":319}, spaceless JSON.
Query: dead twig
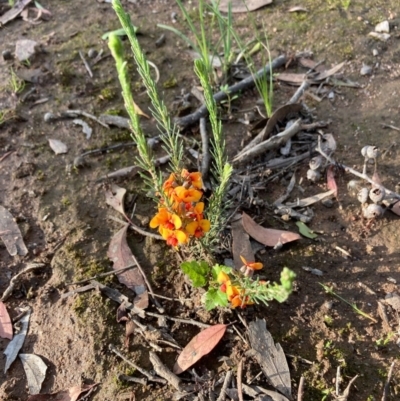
{"x":227,"y":381}
{"x":72,"y":114}
{"x":14,"y":280}
{"x":178,"y":320}
{"x":246,"y":83}
{"x":159,"y":307}
{"x":390,"y":126}
{"x":132,"y":379}
{"x":137,"y":228}
{"x":137,"y":367}
{"x":116,"y":272}
{"x":300,"y":392}
{"x":86,"y":64}
{"x":387,"y":384}
{"x":6,"y":155}
{"x":164,"y":372}
{"x":239,"y":380}
{"x":78,"y":290}
{"x":271,"y":143}
{"x":300,"y":92}
{"x":350,"y":170}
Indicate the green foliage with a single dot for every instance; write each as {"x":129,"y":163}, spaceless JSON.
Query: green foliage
{"x":197,"y":272}
{"x":213,"y":298}
{"x":216,"y":269}
{"x":306,"y":231}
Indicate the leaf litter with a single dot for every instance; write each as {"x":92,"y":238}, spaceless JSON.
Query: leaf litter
{"x":10,"y":234}
{"x":121,"y":255}
{"x":200,"y":345}
{"x":6,"y":330}
{"x":17,"y":342}
{"x":72,"y":394}
{"x":35,"y":370}
{"x":270,"y":356}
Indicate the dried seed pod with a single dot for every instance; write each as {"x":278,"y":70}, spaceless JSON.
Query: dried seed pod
{"x":370,"y":152}
{"x":313,"y":175}
{"x":353,"y":186}
{"x":377,"y":193}
{"x":316,"y":162}
{"x":372,"y":211}
{"x":362,"y":195}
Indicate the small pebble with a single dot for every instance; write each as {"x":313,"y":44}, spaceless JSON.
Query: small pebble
{"x":366,"y":70}
{"x":382,"y":27}
{"x":331,"y":95}
{"x":328,"y":305}
{"x":49,"y":117}
{"x":7,"y":55}
{"x":92,"y":53}
{"x":174,"y":16}
{"x":375,"y":52}
{"x":327,"y":202}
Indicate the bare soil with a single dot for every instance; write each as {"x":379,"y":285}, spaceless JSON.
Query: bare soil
{"x":66,"y":224}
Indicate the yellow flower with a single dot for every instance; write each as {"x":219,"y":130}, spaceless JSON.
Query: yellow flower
{"x":165,"y":219}
{"x":198,"y":228}
{"x":174,"y":237}
{"x":222,"y":277}
{"x":251,"y":265}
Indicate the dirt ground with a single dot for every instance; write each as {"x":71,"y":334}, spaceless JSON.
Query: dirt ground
{"x":67,"y":226}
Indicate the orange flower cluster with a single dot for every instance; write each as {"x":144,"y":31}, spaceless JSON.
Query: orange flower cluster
{"x":236,"y":295}
{"x":183,"y":218}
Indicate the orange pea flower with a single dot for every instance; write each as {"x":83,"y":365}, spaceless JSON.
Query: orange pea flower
{"x":174,"y":237}
{"x":169,"y":184}
{"x":196,"y":212}
{"x":251,"y":265}
{"x":165,"y":219}
{"x":181,"y":194}
{"x":198,"y":228}
{"x":193,"y":179}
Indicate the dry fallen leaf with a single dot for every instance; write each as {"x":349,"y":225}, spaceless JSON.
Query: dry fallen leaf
{"x":35,"y":370}
{"x":121,"y":255}
{"x":13,"y":12}
{"x":267,"y":236}
{"x":331,"y":182}
{"x":10,"y":234}
{"x":66,"y":395}
{"x":200,"y":345}
{"x":6,"y":330}
{"x":17,"y":342}
{"x":115,"y":198}
{"x":271,"y":357}
{"x":58,"y":146}
{"x":242,"y":6}
{"x":241,"y":245}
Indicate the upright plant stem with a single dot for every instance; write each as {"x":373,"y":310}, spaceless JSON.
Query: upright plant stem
{"x":169,"y":133}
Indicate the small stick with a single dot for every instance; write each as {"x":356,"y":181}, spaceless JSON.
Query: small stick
{"x":137,"y":367}
{"x":138,"y":229}
{"x":272,"y":143}
{"x":387,"y":385}
{"x":246,"y":83}
{"x":338,"y":380}
{"x":14,"y":280}
{"x":390,"y":126}
{"x":175,"y":319}
{"x":300,"y":391}
{"x":6,"y":155}
{"x":78,"y":290}
{"x":354,"y":172}
{"x":159,"y":307}
{"x":239,"y":380}
{"x":205,"y":162}
{"x":227,"y":381}
{"x":239,"y":334}
{"x":116,"y":272}
{"x":164,"y":372}
{"x":343,"y":251}
{"x":86,"y":64}
{"x":127,"y":378}
{"x":300,"y":92}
